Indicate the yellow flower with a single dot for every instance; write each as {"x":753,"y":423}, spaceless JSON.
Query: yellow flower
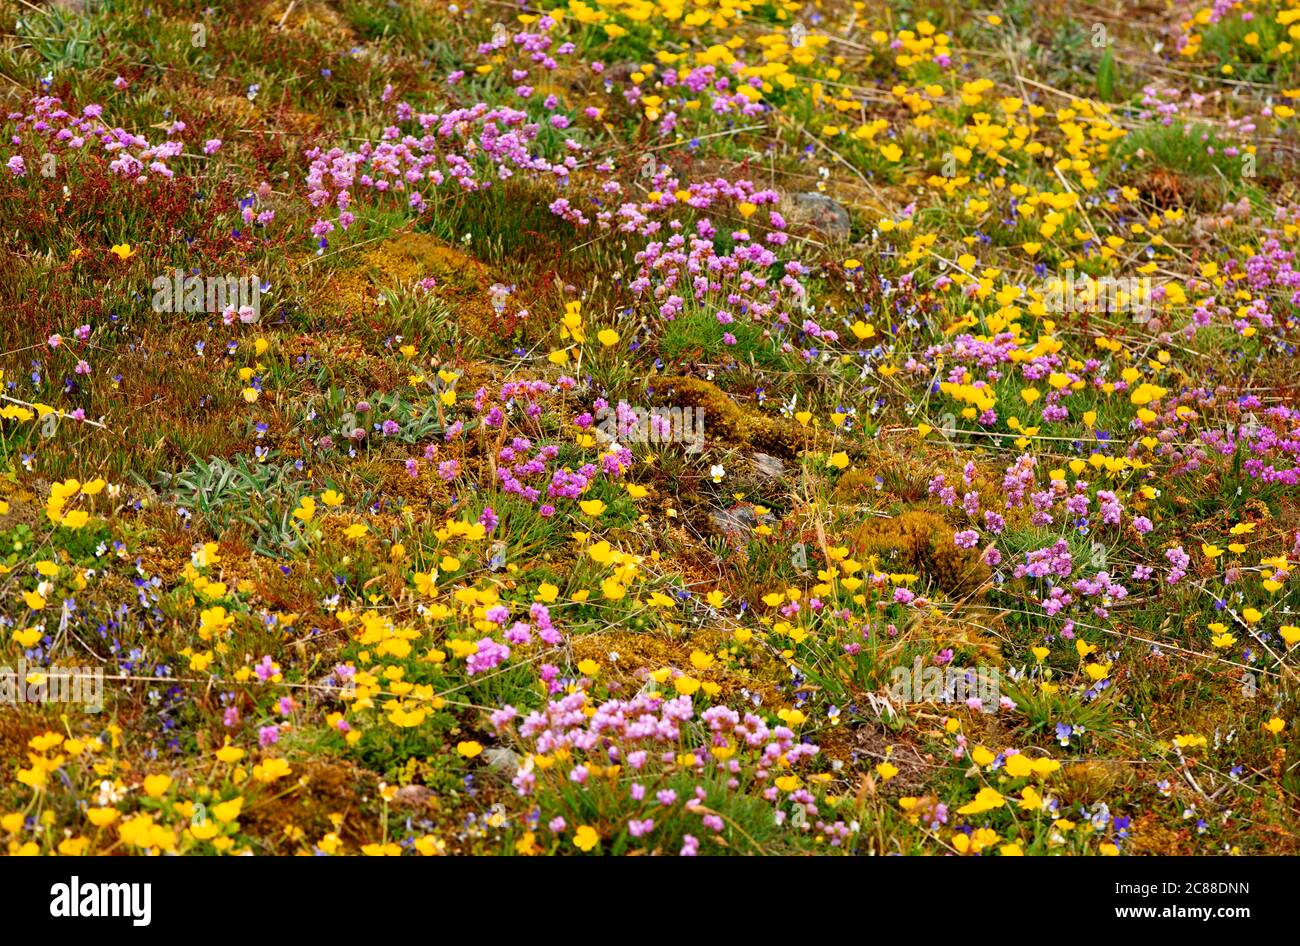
{"x":122,"y":251}
{"x":270,"y":770}
{"x":100,"y":817}
{"x":141,"y":832}
{"x":607,"y":337}
{"x":428,"y":847}
{"x":1018,"y":765}
{"x":1030,"y":799}
{"x":35,"y":777}
{"x":886,"y":771}
{"x":214,"y":620}
{"x":205,"y":831}
{"x":156,"y":785}
{"x":75,"y":519}
{"x":206,"y":555}
{"x":791,"y":717}
{"x":228,"y":811}
{"x":306,"y":509}
{"x":986,"y":800}
{"x":469,"y":749}
{"x":585,"y":838}
{"x":592,"y":507}
{"x":331,"y":498}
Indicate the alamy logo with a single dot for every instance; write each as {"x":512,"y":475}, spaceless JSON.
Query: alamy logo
{"x":628,"y":424}
{"x":77,"y":899}
{"x":231,"y":296}
{"x":1105,"y":294}
{"x":977,"y":687}
{"x":84,"y":685}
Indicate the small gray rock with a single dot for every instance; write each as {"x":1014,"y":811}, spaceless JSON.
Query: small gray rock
{"x":769,"y":467}
{"x":819,"y":212}
{"x":739,"y":522}
{"x":412,"y":796}
{"x":501,"y":759}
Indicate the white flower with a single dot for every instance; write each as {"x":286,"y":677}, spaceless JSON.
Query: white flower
{"x":717,"y":472}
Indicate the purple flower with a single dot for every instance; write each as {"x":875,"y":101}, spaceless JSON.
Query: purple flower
{"x":490,"y":654}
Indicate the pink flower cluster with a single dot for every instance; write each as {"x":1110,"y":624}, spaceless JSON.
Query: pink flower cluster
{"x":49,"y":128}
{"x":467,"y":146}
{"x":652,"y":736}
{"x":491,"y":653}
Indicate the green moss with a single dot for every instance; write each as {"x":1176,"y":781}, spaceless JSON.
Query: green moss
{"x":729,"y":422}
{"x":920,"y":541}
